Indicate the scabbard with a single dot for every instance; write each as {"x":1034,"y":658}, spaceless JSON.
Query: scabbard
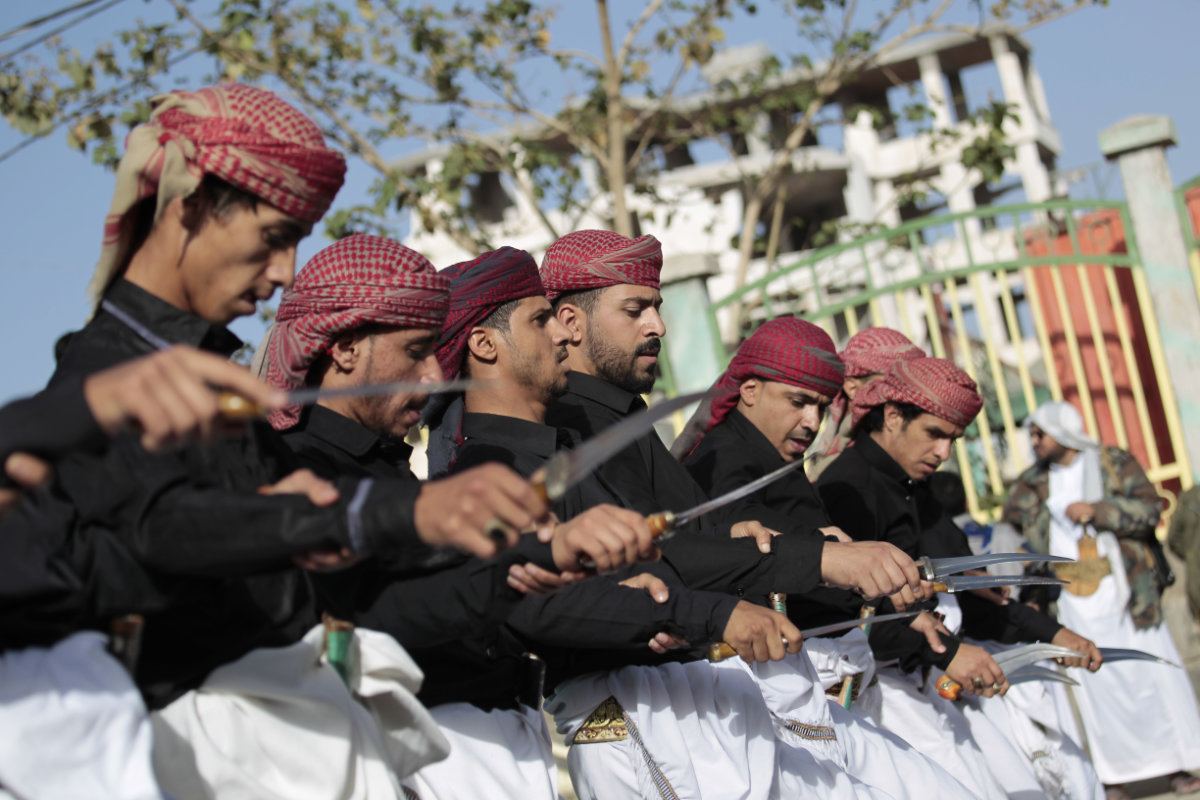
{"x":339,"y":646}
{"x":125,"y":641}
{"x":846,"y":695}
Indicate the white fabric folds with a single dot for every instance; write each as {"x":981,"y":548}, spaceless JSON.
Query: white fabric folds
{"x":279,"y":723}
{"x":72,"y":724}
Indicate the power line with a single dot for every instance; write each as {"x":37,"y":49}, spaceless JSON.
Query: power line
{"x":33,"y":23}
{"x":61,"y":28}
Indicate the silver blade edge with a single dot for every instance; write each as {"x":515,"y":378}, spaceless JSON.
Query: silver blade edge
{"x":854,"y":623}
{"x":949,"y":566}
{"x":684,"y":517}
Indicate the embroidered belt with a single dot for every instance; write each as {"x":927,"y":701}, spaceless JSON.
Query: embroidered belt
{"x":855,"y":686}
{"x":1084,"y":575}
{"x":813,"y":733}
{"x":605,"y":724}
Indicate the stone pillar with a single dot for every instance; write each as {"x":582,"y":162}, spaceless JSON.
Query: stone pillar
{"x":1138,"y":145}
{"x":955,"y":181}
{"x":1034,"y":175}
{"x":692,"y":335}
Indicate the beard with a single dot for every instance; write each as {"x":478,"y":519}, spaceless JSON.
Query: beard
{"x":620,"y":368}
{"x":547,"y":383}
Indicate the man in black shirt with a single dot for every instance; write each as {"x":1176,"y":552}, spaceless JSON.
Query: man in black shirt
{"x":605,"y":291}
{"x":55,"y":668}
{"x":213,"y":194}
{"x":479,"y":679}
{"x":595,"y":627}
{"x":903,"y":428}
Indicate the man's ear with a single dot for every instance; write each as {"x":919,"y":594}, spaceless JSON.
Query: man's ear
{"x":574,"y":319}
{"x":749,"y":391}
{"x":346,"y":352}
{"x":893,"y":420}
{"x":851,"y":386}
{"x":481,"y":343}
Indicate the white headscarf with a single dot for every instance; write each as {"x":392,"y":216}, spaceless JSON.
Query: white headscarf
{"x":1064,"y":424}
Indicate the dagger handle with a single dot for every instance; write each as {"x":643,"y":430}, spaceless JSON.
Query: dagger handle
{"x":778,"y":602}
{"x":539,"y":488}
{"x":719,"y":651}
{"x":846,"y":695}
{"x":661,"y":523}
{"x":949,"y":688}
{"x":940,"y":586}
{"x":235,"y":408}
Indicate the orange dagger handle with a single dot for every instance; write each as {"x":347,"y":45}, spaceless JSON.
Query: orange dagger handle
{"x":949,"y":688}
{"x":660,"y":523}
{"x":235,"y":408}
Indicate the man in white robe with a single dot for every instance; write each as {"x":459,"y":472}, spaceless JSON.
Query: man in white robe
{"x":1096,"y":505}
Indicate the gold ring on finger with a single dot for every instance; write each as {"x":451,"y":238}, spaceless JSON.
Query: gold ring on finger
{"x":978,"y":684}
{"x":995,"y":687}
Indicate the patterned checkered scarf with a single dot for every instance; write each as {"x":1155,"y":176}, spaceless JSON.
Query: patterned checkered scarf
{"x":870,"y":351}
{"x":595,"y":259}
{"x":477,"y":288}
{"x":786,"y":350}
{"x":874,"y":350}
{"x":356,"y":281}
{"x":248,"y":137}
{"x":934,"y":385}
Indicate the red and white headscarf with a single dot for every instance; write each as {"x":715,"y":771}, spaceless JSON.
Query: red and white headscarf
{"x":246,"y":136}
{"x":871,"y":351}
{"x":357,"y":281}
{"x":874,"y":350}
{"x":786,"y":350}
{"x":586,"y":260}
{"x":477,"y":288}
{"x":934,"y":385}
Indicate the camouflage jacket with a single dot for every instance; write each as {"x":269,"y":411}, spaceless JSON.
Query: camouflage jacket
{"x":1130,"y":509}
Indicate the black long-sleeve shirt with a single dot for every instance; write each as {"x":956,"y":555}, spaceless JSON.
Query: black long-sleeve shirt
{"x":596,"y":624}
{"x":216,"y":553}
{"x":735,"y":453}
{"x":870,"y":497}
{"x":650,"y":479}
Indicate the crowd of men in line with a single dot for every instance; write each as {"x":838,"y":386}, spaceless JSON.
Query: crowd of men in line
{"x":279,"y":608}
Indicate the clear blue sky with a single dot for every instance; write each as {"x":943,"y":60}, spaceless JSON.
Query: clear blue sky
{"x":1098,"y":66}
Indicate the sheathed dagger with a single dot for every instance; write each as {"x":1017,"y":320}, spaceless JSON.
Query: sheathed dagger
{"x":934,"y":568}
{"x":719,"y":651}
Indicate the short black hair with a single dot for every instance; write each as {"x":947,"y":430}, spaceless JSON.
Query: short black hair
{"x":873,"y":421}
{"x":212,"y":198}
{"x":501,"y":319}
{"x":585,"y":299}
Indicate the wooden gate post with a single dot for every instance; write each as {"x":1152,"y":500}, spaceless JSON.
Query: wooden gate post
{"x":1138,"y":145}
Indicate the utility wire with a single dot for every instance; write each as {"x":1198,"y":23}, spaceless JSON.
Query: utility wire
{"x":61,"y":28}
{"x":33,"y":23}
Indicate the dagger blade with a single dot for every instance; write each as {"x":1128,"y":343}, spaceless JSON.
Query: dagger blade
{"x":1017,"y":657}
{"x":933,"y":568}
{"x":833,"y":627}
{"x":1036,"y":672}
{"x":719,"y":651}
{"x":1129,"y":654}
{"x":964,"y":583}
{"x":568,"y":467}
{"x":684,"y":517}
{"x":235,"y":407}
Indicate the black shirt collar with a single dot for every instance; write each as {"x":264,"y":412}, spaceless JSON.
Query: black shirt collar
{"x":601,"y":391}
{"x":346,"y":434}
{"x":168,"y":322}
{"x":752,"y":436}
{"x":516,"y":435}
{"x":879,"y":459}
